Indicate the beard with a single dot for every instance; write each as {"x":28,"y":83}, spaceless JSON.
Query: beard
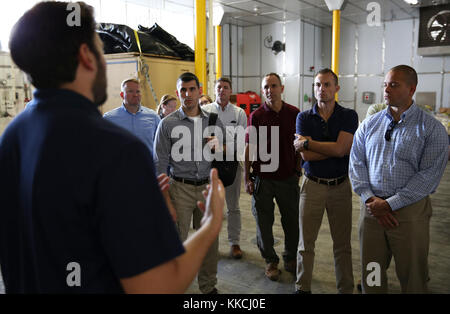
{"x":99,"y":85}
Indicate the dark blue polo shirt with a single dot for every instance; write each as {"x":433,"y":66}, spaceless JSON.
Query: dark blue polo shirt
{"x":75,"y":188}
{"x":310,"y":123}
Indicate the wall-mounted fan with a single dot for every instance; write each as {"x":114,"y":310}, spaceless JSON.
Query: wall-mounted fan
{"x":438,"y":27}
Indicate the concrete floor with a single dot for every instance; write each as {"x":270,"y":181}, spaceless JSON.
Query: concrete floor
{"x":246,"y":276}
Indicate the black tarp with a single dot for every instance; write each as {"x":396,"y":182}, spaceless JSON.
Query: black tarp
{"x":119,"y":38}
{"x":183,"y":50}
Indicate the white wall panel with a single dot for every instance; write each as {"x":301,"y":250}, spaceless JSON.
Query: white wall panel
{"x":326,"y":47}
{"x":225,"y":50}
{"x":292,"y":47}
{"x":291,"y":91}
{"x":430,"y":83}
{"x":347,"y":92}
{"x":318,"y":54}
{"x":307,"y":90}
{"x":368,"y":84}
{"x":271,"y":62}
{"x":234,"y":50}
{"x":347,"y":49}
{"x":370,"y":43}
{"x":308,"y":44}
{"x":447,"y":64}
{"x":398,"y":43}
{"x":250,"y":84}
{"x":251,"y":42}
{"x":446,"y":95}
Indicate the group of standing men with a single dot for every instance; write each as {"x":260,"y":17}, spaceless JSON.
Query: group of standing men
{"x":392,"y":177}
{"x":393,"y":160}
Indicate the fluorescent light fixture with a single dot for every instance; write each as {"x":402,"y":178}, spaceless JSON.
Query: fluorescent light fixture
{"x":412,"y":2}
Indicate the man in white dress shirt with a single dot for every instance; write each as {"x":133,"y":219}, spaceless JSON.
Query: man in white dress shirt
{"x":230,"y":116}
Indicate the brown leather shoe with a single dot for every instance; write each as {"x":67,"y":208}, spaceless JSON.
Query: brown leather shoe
{"x":272,"y":271}
{"x":236,"y":252}
{"x":291,"y":266}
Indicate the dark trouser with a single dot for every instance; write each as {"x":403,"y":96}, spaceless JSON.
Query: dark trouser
{"x":286,"y":193}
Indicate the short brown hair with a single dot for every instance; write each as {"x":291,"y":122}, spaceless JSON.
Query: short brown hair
{"x":409,"y":72}
{"x":274,"y":74}
{"x":329,"y":71}
{"x":131,"y":79}
{"x":225,"y":79}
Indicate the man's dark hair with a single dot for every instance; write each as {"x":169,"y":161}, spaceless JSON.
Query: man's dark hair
{"x":329,"y":71}
{"x":409,"y":73}
{"x":187,"y":77}
{"x":274,"y":74}
{"x":226,"y":80}
{"x":46,"y":48}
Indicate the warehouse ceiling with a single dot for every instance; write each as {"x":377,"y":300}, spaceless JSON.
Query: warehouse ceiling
{"x":257,"y":12}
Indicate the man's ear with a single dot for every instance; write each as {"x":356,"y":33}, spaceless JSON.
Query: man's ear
{"x":87,"y":58}
{"x":201,"y":90}
{"x":121,"y":95}
{"x":178,"y":95}
{"x":338,"y":87}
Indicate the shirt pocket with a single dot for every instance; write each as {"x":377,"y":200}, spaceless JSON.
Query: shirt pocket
{"x":409,"y":147}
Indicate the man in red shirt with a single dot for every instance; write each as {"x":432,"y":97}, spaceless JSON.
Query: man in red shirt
{"x":274,"y":177}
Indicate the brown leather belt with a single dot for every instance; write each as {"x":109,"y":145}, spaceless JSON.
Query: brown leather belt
{"x":191,"y":182}
{"x":329,"y":182}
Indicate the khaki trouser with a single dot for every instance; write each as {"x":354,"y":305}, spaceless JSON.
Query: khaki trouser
{"x":184,"y":198}
{"x":408,"y":244}
{"x":337,"y":200}
{"x":232,"y":195}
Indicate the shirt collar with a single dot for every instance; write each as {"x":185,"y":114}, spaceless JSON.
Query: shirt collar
{"x":337,"y":108}
{"x":183,"y":116}
{"x":126,"y":110}
{"x":65,"y":96}
{"x":219,"y":107}
{"x":267,"y":108}
{"x":406,"y":115}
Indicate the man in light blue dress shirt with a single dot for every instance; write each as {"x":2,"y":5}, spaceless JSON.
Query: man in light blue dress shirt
{"x":397,"y":160}
{"x":132,"y":116}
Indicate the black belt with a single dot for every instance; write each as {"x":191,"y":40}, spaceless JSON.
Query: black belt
{"x":329,"y":182}
{"x":191,"y":182}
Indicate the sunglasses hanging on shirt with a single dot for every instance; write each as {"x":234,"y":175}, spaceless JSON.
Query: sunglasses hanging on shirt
{"x":388,"y":134}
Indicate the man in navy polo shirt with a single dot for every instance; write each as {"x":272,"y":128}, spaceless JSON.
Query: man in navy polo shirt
{"x":81,"y":207}
{"x":274,"y":179}
{"x":324,"y":139}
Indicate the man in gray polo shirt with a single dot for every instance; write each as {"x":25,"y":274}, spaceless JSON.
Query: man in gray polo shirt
{"x":232,"y":117}
{"x":179,"y":149}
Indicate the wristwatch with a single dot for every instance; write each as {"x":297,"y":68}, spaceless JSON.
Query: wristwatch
{"x":305,"y":145}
